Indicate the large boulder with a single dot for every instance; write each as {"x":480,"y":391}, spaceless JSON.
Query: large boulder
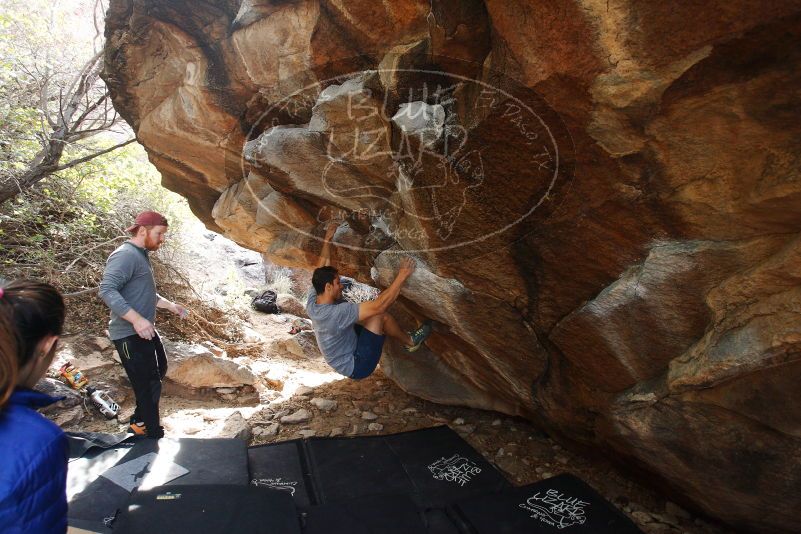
{"x":604,"y":200}
{"x":196,"y":366}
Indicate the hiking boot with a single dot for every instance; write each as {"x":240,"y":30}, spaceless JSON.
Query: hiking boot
{"x":419,"y":335}
{"x":138,"y":429}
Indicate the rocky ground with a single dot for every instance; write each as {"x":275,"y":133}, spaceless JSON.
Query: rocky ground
{"x":272,"y":386}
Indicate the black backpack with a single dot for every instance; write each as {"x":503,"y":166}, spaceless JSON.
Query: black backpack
{"x":265,"y":302}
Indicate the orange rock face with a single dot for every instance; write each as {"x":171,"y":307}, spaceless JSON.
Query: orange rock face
{"x":604,"y":199}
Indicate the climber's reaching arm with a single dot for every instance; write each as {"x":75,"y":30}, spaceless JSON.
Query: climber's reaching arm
{"x":385,"y":299}
{"x":325,"y":254}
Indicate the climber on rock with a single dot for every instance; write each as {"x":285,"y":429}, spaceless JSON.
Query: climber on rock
{"x":350,"y":335}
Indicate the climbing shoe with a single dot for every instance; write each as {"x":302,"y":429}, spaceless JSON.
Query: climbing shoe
{"x":138,"y":429}
{"x":419,"y":335}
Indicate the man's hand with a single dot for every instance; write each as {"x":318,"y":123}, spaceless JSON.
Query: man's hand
{"x":389,"y":295}
{"x":331,"y":230}
{"x":144,"y":328}
{"x":407,"y":266}
{"x":179,"y":310}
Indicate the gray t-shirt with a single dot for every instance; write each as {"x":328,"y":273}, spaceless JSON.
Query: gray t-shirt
{"x":128,"y":283}
{"x":333,"y":328}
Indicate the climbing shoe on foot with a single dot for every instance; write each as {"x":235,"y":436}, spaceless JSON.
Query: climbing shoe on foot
{"x":419,"y":335}
{"x":138,"y":429}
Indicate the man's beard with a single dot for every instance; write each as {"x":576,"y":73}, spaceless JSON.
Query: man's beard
{"x":151,"y":244}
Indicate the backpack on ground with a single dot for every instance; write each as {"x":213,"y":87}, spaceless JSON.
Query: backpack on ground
{"x":266,"y":302}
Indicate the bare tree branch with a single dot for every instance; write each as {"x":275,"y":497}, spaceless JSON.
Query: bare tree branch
{"x":14,"y":186}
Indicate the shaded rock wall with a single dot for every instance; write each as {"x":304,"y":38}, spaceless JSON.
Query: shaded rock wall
{"x":604,"y":198}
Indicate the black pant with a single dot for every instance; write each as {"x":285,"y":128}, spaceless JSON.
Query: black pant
{"x":146,"y":364}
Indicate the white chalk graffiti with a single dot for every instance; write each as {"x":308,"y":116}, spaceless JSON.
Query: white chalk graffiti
{"x":556,"y":509}
{"x":276,"y":483}
{"x":454,"y":469}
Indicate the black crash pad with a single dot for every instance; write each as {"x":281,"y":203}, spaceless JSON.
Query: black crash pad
{"x":434,"y":466}
{"x":395,"y":514}
{"x":208,"y":509}
{"x":183,"y":461}
{"x":563,"y":504}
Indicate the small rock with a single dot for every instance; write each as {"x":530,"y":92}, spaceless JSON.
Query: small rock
{"x":465,"y":429}
{"x":226,"y":391}
{"x":561,"y":459}
{"x":307,"y":433}
{"x":637,"y":508}
{"x":547,"y":474}
{"x":676,"y":511}
{"x":335,"y":432}
{"x":125,"y":414}
{"x":290,"y":304}
{"x":300,"y":397}
{"x":351,"y":413}
{"x":279,"y":414}
{"x":458,"y":421}
{"x":236,"y":427}
{"x":214,"y":349}
{"x":278,"y":318}
{"x":666,"y":519}
{"x":409,"y":410}
{"x":379,"y":383}
{"x":270,"y":430}
{"x":500,"y":452}
{"x":304,"y":390}
{"x":642,"y":397}
{"x":375,"y":427}
{"x":641,"y":517}
{"x":251,"y":336}
{"x":496,"y":422}
{"x":325,"y":405}
{"x":300,"y":416}
{"x":539,"y":470}
{"x":369,"y":416}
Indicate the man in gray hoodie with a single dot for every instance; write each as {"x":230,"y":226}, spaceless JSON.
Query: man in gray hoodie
{"x":129,"y":289}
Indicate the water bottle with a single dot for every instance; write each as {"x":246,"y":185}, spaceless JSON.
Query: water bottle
{"x":107,"y":407}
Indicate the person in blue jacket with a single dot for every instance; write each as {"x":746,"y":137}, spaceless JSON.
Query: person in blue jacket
{"x":33,"y":450}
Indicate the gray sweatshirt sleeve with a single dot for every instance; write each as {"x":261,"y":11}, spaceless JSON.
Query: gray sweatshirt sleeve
{"x":119,"y":270}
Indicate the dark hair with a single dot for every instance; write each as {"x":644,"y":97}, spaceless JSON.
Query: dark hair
{"x":322,"y":276}
{"x":36,"y":310}
{"x":8,"y":356}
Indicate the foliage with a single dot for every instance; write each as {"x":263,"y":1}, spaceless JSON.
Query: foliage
{"x":62,"y":231}
{"x":54,"y":109}
{"x":279,"y":279}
